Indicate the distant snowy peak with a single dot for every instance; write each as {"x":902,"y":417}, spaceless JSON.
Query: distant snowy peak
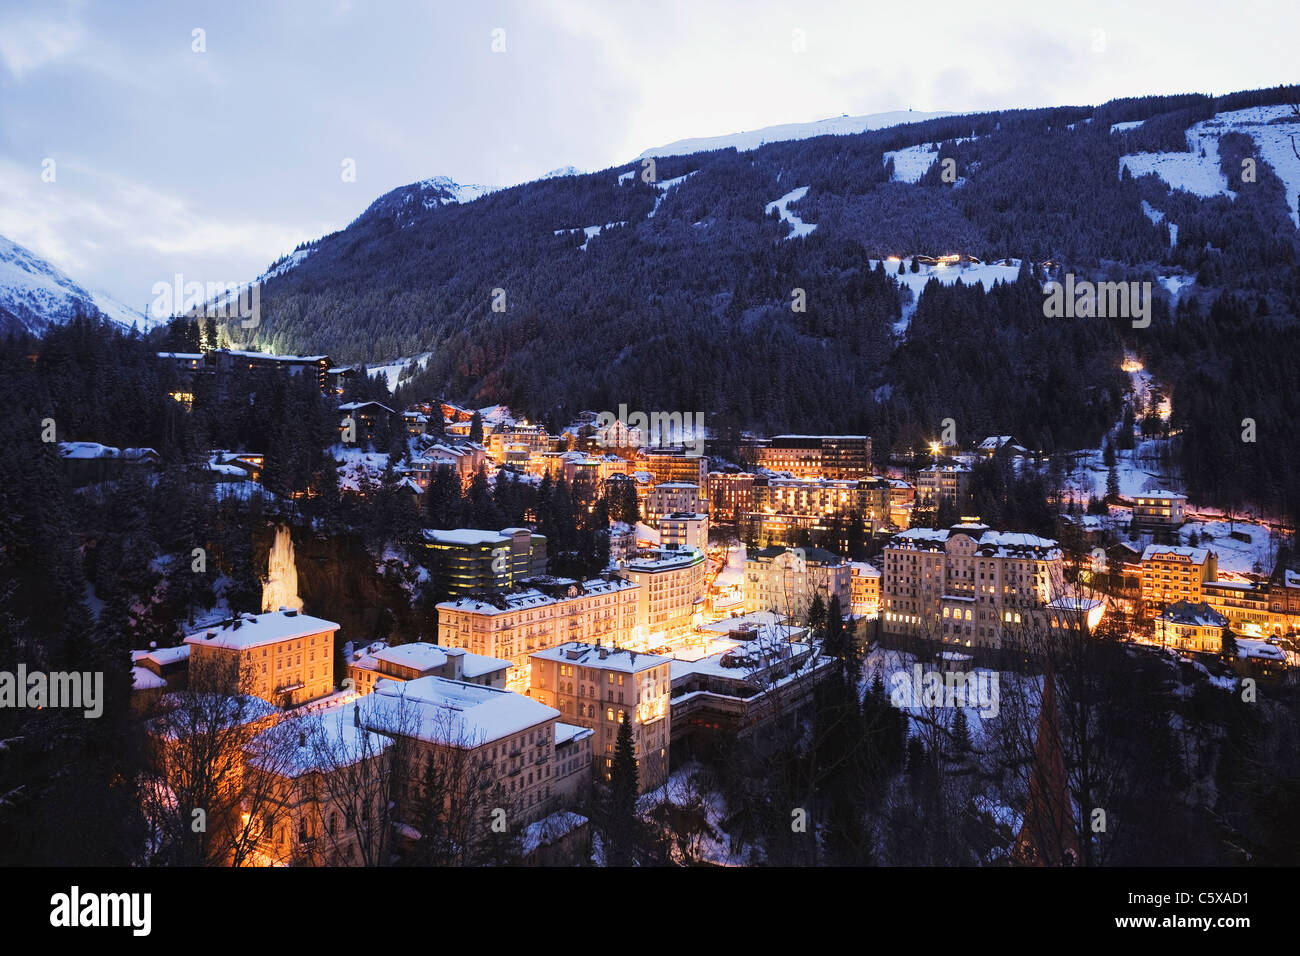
{"x":35,"y":295}
{"x":405,"y":203}
{"x":752,"y":139}
{"x":562,"y":172}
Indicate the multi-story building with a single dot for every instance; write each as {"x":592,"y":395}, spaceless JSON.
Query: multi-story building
{"x":284,"y":657}
{"x":499,"y":745}
{"x":684,"y":529}
{"x":595,"y":686}
{"x":865,"y":585}
{"x":1284,"y":600}
{"x":729,"y":495}
{"x":513,"y":626}
{"x":477,"y":562}
{"x":670,"y":593}
{"x":1243,"y":603}
{"x":1191,"y":627}
{"x":785,"y":580}
{"x":818,"y":456}
{"x":530,"y":438}
{"x":320,"y":787}
{"x":787,"y":508}
{"x":223,"y":363}
{"x":362,"y":421}
{"x":902,"y":498}
{"x":1173,"y":573}
{"x":973,"y":586}
{"x":379,"y":661}
{"x":1158,"y":510}
{"x":667,"y":467}
{"x":943,"y":481}
{"x":672,"y":497}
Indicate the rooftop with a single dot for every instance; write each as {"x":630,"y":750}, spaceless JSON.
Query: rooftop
{"x":452,"y":713}
{"x":254,"y":630}
{"x":590,"y":655}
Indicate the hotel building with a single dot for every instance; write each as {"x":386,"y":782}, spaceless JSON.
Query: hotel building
{"x":594,"y":686}
{"x":512,"y":626}
{"x":785,"y":580}
{"x":284,"y":657}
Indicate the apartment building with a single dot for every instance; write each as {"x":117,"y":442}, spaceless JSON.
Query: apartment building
{"x":684,"y":529}
{"x":594,"y":686}
{"x":531,"y":439}
{"x":818,"y":456}
{"x":673,"y":497}
{"x":785,"y":580}
{"x":670,"y":592}
{"x":478,"y":562}
{"x":1244,"y":604}
{"x":379,"y":661}
{"x":284,"y":657}
{"x":729,"y":495}
{"x":1158,"y":510}
{"x":671,"y":467}
{"x":321,"y":784}
{"x":972,"y":586}
{"x":499,"y":746}
{"x":1191,"y":627}
{"x":864,"y":588}
{"x":943,"y":481}
{"x":512,"y":626}
{"x":1173,"y":573}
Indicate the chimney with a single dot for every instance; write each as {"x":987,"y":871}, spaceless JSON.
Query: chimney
{"x":455,"y":663}
{"x":604,"y":652}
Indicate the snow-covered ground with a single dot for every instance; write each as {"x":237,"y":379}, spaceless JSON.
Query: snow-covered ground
{"x":1256,"y":556}
{"x":1198,"y":172}
{"x":798,"y":228}
{"x":664,"y":187}
{"x":589,"y":231}
{"x":970,"y":273}
{"x":1125,"y":127}
{"x":392,"y":371}
{"x":357,"y":465}
{"x":912,"y":163}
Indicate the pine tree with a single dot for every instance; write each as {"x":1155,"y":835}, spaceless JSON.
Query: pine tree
{"x":476,"y":428}
{"x":621,"y":822}
{"x":1229,"y":642}
{"x":960,"y":733}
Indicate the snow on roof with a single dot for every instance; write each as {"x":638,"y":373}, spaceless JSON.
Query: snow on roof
{"x":254,"y":630}
{"x":452,"y":713}
{"x":665,"y":560}
{"x":1163,"y":495}
{"x":144,"y":679}
{"x":743,"y":662}
{"x":466,"y":536}
{"x":532,"y":598}
{"x":1253,"y":647}
{"x":864,"y":569}
{"x":1196,"y":555}
{"x":549,"y":829}
{"x":1200,"y":615}
{"x":589,"y":655}
{"x":163,"y":655}
{"x":1290,"y":579}
{"x":567,"y":733}
{"x":420,"y":655}
{"x":353,"y":406}
{"x":324,"y":740}
{"x":754,"y":619}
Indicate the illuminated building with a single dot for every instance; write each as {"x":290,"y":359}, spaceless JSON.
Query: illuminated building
{"x":283,"y":657}
{"x":593,"y":685}
{"x":1171,"y":574}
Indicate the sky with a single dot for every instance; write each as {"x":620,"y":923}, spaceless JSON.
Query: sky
{"x":141,"y":140}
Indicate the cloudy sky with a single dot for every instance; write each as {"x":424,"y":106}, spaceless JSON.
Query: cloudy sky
{"x":210,"y":154}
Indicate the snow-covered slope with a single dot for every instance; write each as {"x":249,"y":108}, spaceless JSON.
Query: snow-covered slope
{"x":752,"y":139}
{"x":35,"y":295}
{"x":404,"y":203}
{"x":1198,"y":171}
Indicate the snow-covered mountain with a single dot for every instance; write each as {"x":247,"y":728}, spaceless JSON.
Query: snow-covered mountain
{"x":35,"y":295}
{"x":405,"y":202}
{"x":844,"y":125}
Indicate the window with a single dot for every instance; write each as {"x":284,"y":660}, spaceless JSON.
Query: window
{"x":609,"y":714}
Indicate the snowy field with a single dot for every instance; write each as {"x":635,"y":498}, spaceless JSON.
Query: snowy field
{"x":798,"y":228}
{"x":1198,"y":172}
